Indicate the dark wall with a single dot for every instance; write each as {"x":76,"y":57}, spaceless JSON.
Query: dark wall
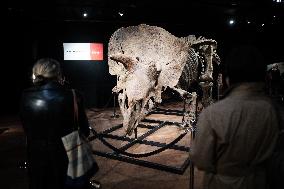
{"x":15,"y":64}
{"x":25,"y":41}
{"x":90,"y":77}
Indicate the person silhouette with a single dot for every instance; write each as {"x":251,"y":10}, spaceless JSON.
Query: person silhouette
{"x":47,"y":114}
{"x":237,"y":135}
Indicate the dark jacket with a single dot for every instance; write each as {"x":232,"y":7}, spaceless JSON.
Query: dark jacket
{"x":47,"y":114}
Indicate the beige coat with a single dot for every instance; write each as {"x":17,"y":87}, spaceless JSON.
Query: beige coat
{"x":234,"y":138}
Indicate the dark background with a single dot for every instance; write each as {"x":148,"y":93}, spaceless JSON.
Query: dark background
{"x":34,"y":30}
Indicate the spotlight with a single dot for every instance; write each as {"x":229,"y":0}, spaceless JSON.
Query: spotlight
{"x":85,"y":15}
{"x":120,"y":13}
{"x":262,"y":25}
{"x":231,"y":22}
{"x":248,"y":22}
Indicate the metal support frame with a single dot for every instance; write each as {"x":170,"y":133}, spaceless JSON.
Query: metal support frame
{"x":141,"y":140}
{"x":114,"y":115}
{"x":191,"y":167}
{"x":168,"y":112}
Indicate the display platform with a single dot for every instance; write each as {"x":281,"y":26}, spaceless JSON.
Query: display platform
{"x":160,"y":142}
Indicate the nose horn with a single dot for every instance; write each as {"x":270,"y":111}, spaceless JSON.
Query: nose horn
{"x":126,"y":61}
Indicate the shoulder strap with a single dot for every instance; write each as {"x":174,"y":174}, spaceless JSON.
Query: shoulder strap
{"x":75,"y":105}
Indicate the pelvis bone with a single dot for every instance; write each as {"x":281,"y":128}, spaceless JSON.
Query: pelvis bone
{"x":147,"y":60}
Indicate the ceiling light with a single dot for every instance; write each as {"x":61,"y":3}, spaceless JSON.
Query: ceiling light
{"x":120,"y":13}
{"x":231,"y":21}
{"x":85,"y":14}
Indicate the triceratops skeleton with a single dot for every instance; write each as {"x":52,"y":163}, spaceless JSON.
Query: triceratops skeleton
{"x":147,"y":60}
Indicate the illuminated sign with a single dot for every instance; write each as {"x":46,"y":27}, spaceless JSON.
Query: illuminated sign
{"x":83,"y":51}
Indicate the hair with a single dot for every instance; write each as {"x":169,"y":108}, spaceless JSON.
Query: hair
{"x":245,"y":63}
{"x":46,"y":69}
{"x":275,"y":66}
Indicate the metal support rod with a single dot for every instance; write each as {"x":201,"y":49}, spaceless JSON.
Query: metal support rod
{"x":135,"y":132}
{"x":183,"y":116}
{"x":191,"y":168}
{"x":114,"y":108}
{"x":219,"y":85}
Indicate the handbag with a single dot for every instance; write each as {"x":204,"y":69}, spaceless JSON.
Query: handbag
{"x":82,"y":165}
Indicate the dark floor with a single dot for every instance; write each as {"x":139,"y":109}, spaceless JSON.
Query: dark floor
{"x":113,"y":174}
{"x":12,"y":153}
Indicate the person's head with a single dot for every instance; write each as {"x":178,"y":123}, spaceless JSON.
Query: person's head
{"x":46,"y":69}
{"x":245,"y":63}
{"x":275,"y":66}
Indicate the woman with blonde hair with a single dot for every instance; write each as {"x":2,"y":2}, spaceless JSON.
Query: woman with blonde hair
{"x":47,"y":114}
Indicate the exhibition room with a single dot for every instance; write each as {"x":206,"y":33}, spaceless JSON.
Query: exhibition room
{"x":160,"y":94}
